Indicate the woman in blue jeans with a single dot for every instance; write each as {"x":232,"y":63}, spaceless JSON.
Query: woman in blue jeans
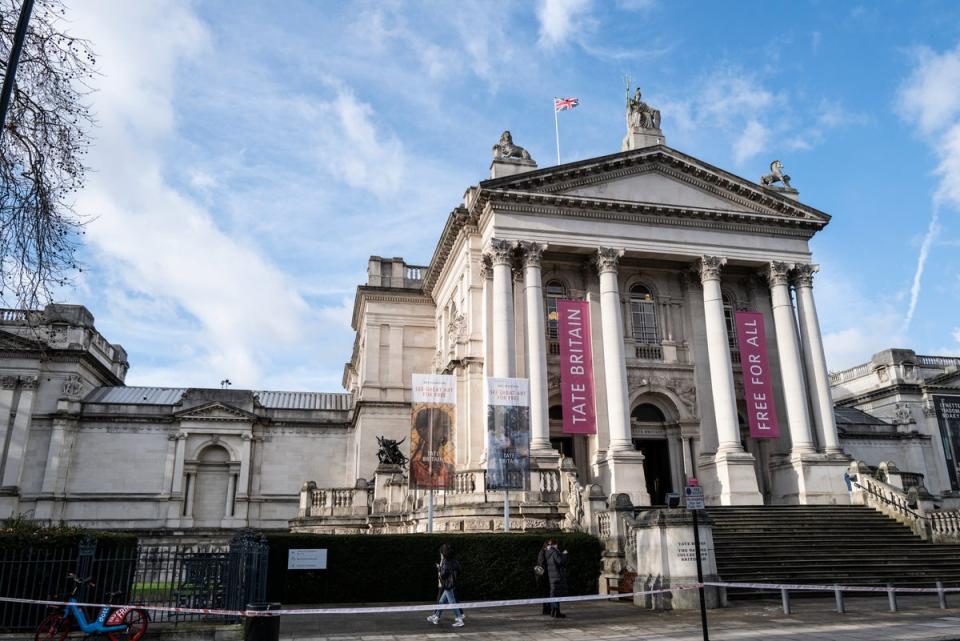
{"x":448,"y":571}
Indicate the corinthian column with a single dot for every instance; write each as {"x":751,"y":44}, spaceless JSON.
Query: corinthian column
{"x":501,"y":256}
{"x":614,"y":360}
{"x":536,"y":346}
{"x":818,"y":380}
{"x":788,"y":349}
{"x":718,"y":353}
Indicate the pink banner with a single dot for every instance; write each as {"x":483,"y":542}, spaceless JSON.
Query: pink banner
{"x":576,"y":367}
{"x":757,"y":383}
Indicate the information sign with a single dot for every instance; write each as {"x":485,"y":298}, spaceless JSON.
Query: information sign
{"x":315,"y":559}
{"x":694,"y":496}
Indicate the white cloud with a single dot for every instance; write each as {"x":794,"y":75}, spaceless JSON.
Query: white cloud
{"x":154,"y":242}
{"x":559,"y":19}
{"x":752,"y":141}
{"x":932,"y":231}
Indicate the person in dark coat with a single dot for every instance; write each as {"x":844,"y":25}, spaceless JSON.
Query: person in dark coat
{"x":556,"y":567}
{"x":540,"y":574}
{"x":448,"y":572}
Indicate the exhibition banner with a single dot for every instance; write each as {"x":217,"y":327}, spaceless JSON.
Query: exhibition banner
{"x":432,"y":432}
{"x":508,"y":434}
{"x":757,"y":382}
{"x":576,"y":367}
{"x":947,"y":409}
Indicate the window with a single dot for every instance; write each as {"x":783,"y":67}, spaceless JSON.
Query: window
{"x":647,"y":413}
{"x":729,"y":309}
{"x":643,"y":314}
{"x":556,"y":412}
{"x":554,"y":292}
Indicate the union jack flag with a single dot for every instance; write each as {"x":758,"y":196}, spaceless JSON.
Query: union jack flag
{"x":562,"y":104}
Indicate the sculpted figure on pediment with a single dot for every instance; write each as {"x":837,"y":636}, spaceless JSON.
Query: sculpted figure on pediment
{"x":507,"y":150}
{"x":776,"y":175}
{"x":639,"y":114}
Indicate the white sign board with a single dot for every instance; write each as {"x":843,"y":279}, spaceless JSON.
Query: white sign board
{"x":307,"y":559}
{"x":694,"y":496}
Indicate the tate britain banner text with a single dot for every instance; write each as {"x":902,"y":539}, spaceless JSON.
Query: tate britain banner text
{"x":432,"y":454}
{"x":576,"y":367}
{"x":508,"y":434}
{"x":757,"y":383}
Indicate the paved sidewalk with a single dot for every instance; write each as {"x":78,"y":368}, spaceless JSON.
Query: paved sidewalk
{"x":919,"y":619}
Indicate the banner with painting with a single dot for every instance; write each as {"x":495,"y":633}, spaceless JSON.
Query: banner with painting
{"x":508,"y":434}
{"x":433,"y":431}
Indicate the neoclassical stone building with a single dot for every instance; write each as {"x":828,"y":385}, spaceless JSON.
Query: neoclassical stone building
{"x":664,"y":248}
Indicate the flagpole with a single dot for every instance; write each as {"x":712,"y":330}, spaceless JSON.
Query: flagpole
{"x":556,"y":124}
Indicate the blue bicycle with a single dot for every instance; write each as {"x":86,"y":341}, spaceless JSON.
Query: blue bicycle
{"x":120,"y":624}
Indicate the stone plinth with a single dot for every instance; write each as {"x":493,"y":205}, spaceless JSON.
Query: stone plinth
{"x":810,"y":479}
{"x":729,"y":478}
{"x":638,"y":138}
{"x":621,"y":472}
{"x":666,"y":557}
{"x":510,"y":166}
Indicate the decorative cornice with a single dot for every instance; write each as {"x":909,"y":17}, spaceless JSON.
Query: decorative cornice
{"x":709,"y":267}
{"x":803,"y":274}
{"x":501,"y":252}
{"x":778,"y":273}
{"x":607,"y":259}
{"x":532,"y":253}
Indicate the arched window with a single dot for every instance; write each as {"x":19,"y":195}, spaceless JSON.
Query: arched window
{"x":647,"y":413}
{"x":554,"y":291}
{"x":643,"y":314}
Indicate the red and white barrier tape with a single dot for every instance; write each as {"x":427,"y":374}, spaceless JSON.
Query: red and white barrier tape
{"x":468,"y":605}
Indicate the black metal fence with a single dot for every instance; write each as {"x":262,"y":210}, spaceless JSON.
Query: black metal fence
{"x":224,"y":576}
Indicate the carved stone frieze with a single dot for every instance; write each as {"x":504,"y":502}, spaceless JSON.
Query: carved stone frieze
{"x":73,"y":386}
{"x":608,"y":259}
{"x":778,"y":273}
{"x":710,"y":266}
{"x":501,"y":252}
{"x":9,"y":382}
{"x":803,"y":274}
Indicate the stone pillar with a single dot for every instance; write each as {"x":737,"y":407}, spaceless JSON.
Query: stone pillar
{"x":730,"y":478}
{"x":536,"y":348}
{"x":19,"y":430}
{"x":718,"y":351}
{"x":177,"y":499}
{"x":788,"y":349}
{"x":614,"y":358}
{"x":501,"y":256}
{"x":622,"y":468}
{"x":818,"y":378}
{"x":191,"y":492}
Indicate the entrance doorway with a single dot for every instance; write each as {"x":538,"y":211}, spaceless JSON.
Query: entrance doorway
{"x":656,"y":468}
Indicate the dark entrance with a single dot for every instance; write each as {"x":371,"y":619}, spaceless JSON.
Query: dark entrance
{"x":656,"y":468}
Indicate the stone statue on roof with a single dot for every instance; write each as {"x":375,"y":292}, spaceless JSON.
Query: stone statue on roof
{"x":776,"y":175}
{"x":507,"y":150}
{"x":639,"y":114}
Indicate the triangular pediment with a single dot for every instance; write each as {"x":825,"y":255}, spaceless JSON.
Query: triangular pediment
{"x":215,"y":412}
{"x":658,"y":177}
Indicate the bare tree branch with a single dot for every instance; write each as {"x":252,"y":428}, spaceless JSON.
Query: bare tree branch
{"x":42,"y":156}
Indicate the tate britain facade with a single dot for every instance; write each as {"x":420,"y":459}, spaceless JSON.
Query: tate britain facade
{"x":662,"y":249}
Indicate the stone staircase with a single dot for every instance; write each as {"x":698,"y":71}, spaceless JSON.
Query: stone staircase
{"x":825,"y":544}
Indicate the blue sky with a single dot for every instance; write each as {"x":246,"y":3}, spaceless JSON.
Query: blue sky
{"x":250,"y":157}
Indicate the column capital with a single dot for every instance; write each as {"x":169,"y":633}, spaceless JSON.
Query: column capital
{"x":709,"y":267}
{"x":501,"y":251}
{"x":607,"y":259}
{"x":803,"y":274}
{"x":778,"y":273}
{"x":532,"y":253}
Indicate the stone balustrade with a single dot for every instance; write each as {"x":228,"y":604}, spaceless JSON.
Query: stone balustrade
{"x":938,"y":526}
{"x":339,"y":501}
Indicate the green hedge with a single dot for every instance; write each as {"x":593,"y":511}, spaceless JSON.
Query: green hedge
{"x":384,"y":568}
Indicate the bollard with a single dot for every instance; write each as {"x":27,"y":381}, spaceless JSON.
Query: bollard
{"x":941,"y":595}
{"x":785,"y":597}
{"x":892,"y":597}
{"x":838,"y":594}
{"x":262,"y":628}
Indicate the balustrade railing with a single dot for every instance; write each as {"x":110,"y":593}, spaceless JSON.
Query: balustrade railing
{"x":549,"y":481}
{"x":603,"y":524}
{"x":849,"y":374}
{"x":649,"y":352}
{"x":13,"y":316}
{"x":938,"y":361}
{"x":940,"y":526}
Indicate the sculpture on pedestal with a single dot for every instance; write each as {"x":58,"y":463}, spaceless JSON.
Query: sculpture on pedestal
{"x":389,"y":452}
{"x":507,"y":150}
{"x":639,"y":114}
{"x":776,"y":175}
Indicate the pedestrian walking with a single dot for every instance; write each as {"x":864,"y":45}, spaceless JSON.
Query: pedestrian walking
{"x":540,"y":576}
{"x":556,"y":566}
{"x":448,"y":572}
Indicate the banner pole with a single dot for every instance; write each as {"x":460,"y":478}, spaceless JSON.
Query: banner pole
{"x":430,"y":511}
{"x":556,"y":126}
{"x":506,"y":510}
